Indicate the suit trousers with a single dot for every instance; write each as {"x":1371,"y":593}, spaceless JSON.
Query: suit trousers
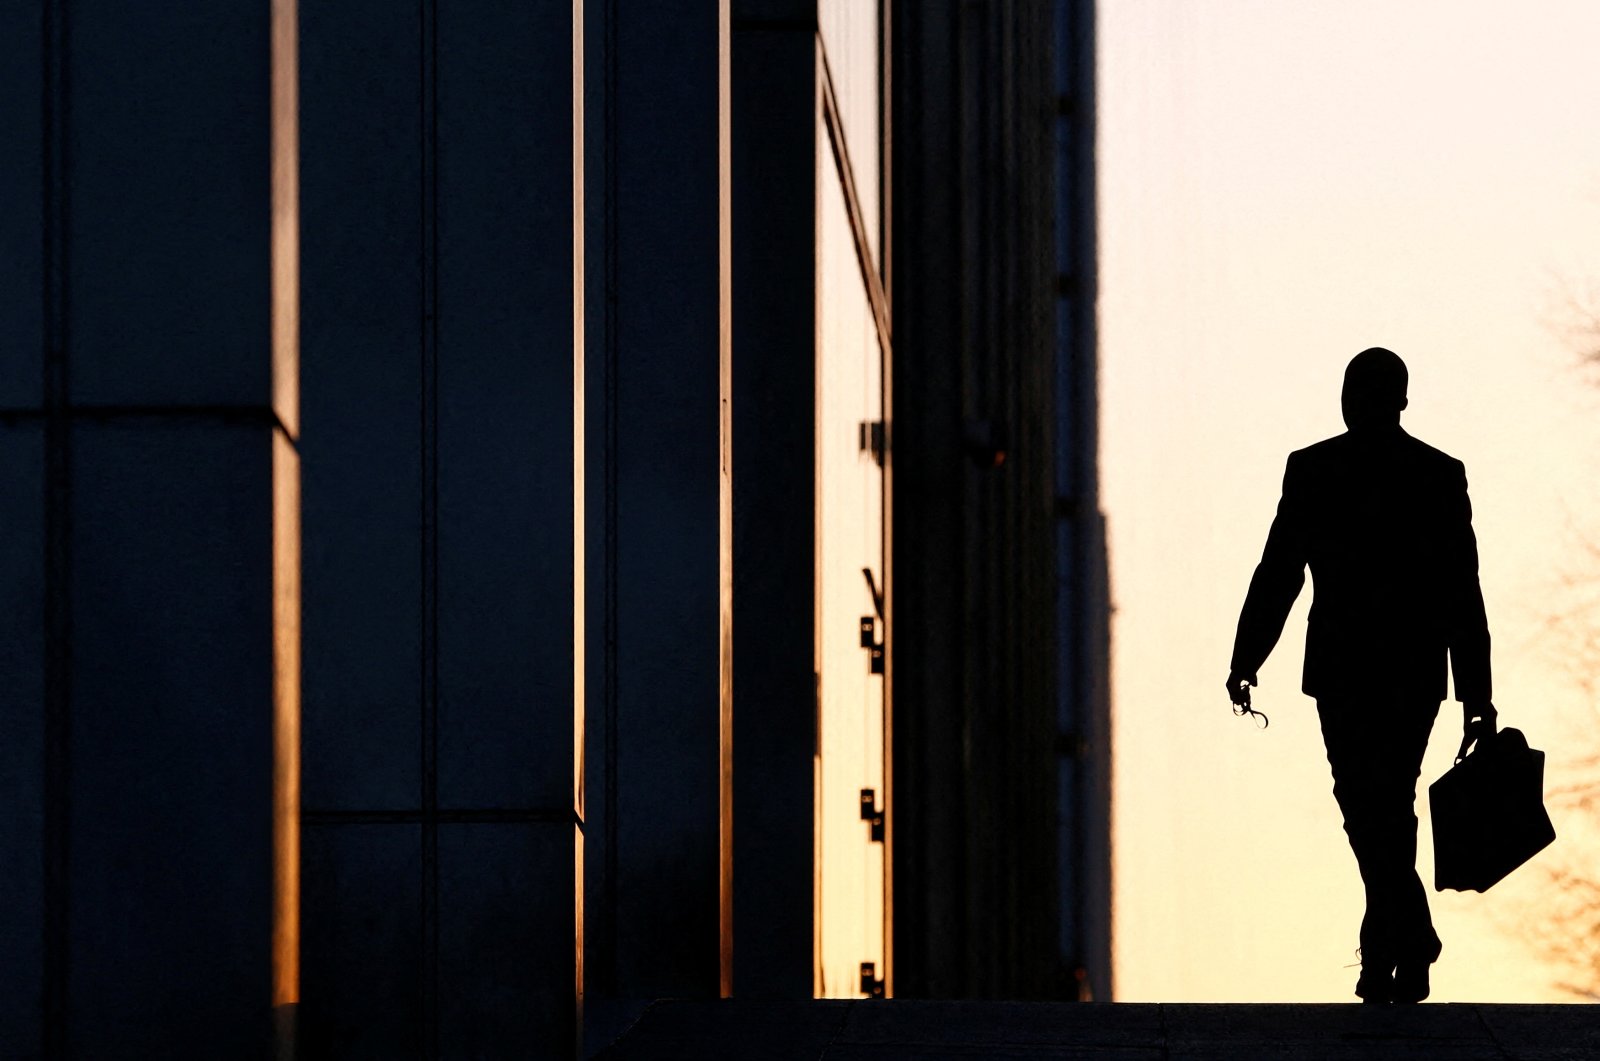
{"x":1375,"y":748}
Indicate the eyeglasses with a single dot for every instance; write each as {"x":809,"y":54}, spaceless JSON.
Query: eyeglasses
{"x":1262,"y":722}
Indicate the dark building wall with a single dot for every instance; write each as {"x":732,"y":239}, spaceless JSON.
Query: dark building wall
{"x":659,"y":464}
{"x":774,"y":380}
{"x":984,"y":876}
{"x":445,"y":356}
{"x":438,"y":377}
{"x":137,"y":442}
{"x":149,"y":444}
{"x":645,"y":931}
{"x":1083,"y":612}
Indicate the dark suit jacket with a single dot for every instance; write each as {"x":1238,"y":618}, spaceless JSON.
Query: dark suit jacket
{"x":1384,"y":523}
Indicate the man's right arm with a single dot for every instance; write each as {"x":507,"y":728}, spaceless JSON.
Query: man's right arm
{"x":1275,"y":584}
{"x":1467,"y":624}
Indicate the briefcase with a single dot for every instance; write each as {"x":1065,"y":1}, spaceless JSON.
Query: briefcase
{"x":1488,"y":813}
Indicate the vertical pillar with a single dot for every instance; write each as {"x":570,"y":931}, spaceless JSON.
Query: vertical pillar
{"x":442,"y":370}
{"x":774,"y":123}
{"x":147,"y":445}
{"x":659,"y":764}
{"x":1083,"y":612}
{"x":976,"y":739}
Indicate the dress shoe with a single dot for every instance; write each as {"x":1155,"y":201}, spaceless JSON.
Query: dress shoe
{"x":1411,"y":982}
{"x":1376,"y":984}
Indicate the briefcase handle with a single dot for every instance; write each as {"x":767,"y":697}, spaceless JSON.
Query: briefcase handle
{"x":1476,"y":730}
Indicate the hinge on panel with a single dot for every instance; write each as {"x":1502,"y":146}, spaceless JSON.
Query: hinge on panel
{"x":872,"y":813}
{"x":871,"y":437}
{"x":871,"y":986}
{"x":870,"y":642}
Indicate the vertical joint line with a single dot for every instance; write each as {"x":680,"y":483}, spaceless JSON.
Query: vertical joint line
{"x":57,"y":534}
{"x":429,"y":449}
{"x":606,"y":922}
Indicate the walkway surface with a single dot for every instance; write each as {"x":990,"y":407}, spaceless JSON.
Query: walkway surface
{"x":1034,"y":1031}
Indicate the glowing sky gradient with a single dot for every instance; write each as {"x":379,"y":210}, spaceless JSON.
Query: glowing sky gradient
{"x":1282,"y":185}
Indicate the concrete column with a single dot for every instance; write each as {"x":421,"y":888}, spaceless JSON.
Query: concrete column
{"x":659,"y":741}
{"x":442,"y":374}
{"x":148,"y":468}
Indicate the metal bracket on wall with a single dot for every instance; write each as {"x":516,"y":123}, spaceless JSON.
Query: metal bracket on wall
{"x":872,"y":814}
{"x":869,"y":625}
{"x":871,"y":985}
{"x":873,"y":438}
{"x":872,"y":588}
{"x":870,"y":642}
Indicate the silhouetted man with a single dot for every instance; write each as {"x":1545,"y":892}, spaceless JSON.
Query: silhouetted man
{"x":1384,"y":523}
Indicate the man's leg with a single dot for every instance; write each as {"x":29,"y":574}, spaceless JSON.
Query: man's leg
{"x":1375,"y":750}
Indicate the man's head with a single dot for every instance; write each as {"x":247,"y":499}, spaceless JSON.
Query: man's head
{"x":1374,"y":389}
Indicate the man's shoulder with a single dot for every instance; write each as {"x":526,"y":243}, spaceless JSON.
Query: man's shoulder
{"x":1433,"y":465}
{"x":1318,"y":453}
{"x":1429,"y":454}
{"x":1342,"y":448}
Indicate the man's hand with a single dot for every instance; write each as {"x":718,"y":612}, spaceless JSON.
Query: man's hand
{"x":1478,"y":713}
{"x":1239,"y":688}
{"x":1478,"y":720}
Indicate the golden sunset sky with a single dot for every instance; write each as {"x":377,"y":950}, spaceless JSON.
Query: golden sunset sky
{"x":1282,"y":185}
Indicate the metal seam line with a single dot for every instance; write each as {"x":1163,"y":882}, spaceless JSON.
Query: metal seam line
{"x":858,"y":226}
{"x":428,"y":219}
{"x":57,"y":533}
{"x":447,"y":816}
{"x":113,"y":415}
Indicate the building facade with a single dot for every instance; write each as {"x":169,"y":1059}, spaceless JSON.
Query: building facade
{"x":517,"y":510}
{"x":1001,"y":750}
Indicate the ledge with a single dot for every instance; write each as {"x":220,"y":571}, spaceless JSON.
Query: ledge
{"x":1034,"y":1031}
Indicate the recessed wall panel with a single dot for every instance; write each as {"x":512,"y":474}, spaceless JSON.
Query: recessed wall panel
{"x":362,"y":941}
{"x":505,"y":402}
{"x":171,"y":738}
{"x":774,"y":148}
{"x":22,"y":223}
{"x":168,"y":141}
{"x":362,"y":329}
{"x":665,"y":560}
{"x":506,"y":940}
{"x":21,"y":735}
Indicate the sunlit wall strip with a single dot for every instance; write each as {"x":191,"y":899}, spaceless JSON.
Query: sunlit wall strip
{"x":884,"y":271}
{"x":874,"y":279}
{"x":578,"y":505}
{"x":858,"y":223}
{"x":725,"y":490}
{"x":285,"y":512}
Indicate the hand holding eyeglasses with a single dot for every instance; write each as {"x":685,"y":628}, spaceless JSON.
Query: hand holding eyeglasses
{"x":1239,"y":692}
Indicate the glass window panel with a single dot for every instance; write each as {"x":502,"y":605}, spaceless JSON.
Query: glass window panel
{"x":849,"y":30}
{"x":849,"y":486}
